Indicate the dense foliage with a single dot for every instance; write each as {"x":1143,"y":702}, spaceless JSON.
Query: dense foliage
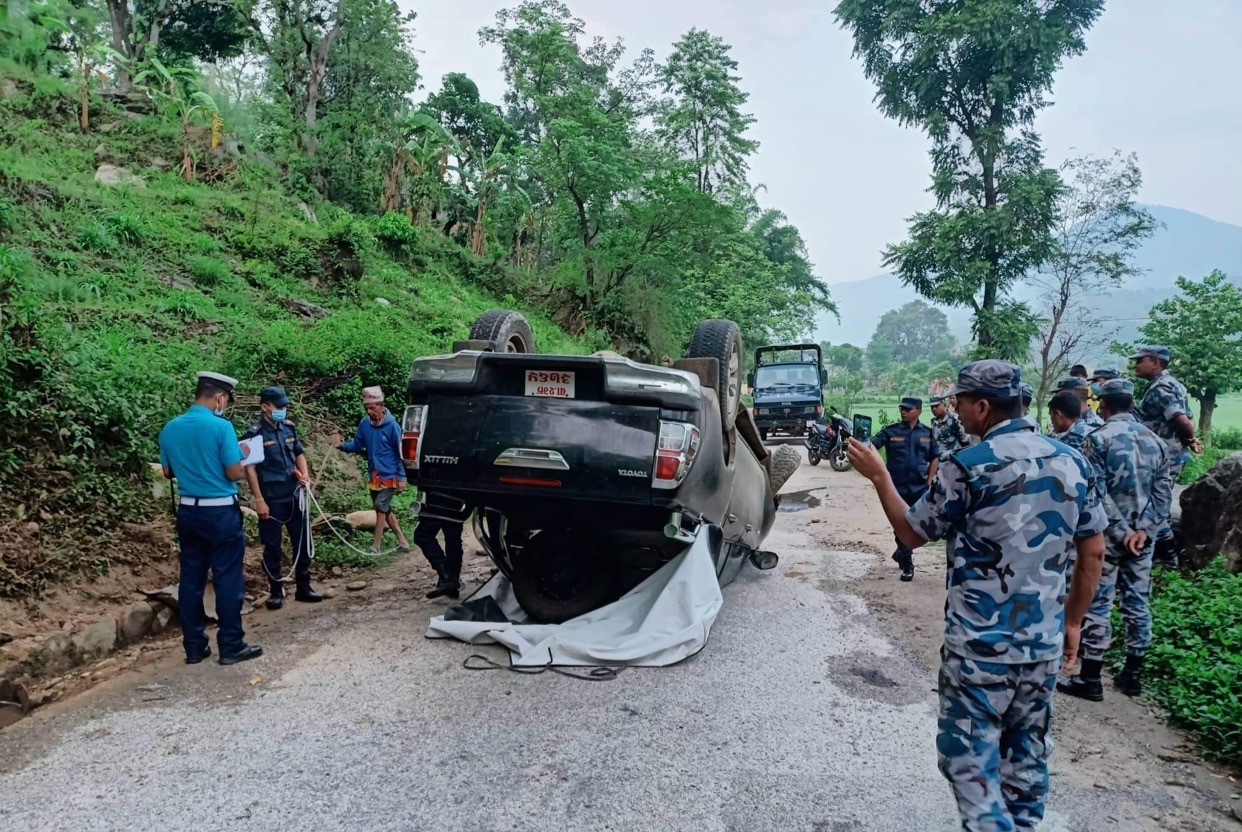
{"x":1196,"y":657}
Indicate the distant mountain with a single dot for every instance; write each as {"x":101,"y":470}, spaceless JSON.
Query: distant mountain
{"x":1189,"y":244}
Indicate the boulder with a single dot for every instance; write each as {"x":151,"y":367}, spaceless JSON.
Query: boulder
{"x":383,"y":301}
{"x":97,"y":639}
{"x":1211,"y":522}
{"x":135,"y":621}
{"x":162,"y":619}
{"x":112,"y":176}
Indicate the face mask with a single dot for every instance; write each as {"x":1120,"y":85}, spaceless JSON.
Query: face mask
{"x":220,"y":408}
{"x":279,"y":415}
{"x":1095,"y":388}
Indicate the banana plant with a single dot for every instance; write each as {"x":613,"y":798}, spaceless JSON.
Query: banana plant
{"x":421,"y":150}
{"x":176,"y":89}
{"x":497,"y":176}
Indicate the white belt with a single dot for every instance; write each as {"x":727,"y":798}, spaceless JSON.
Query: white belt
{"x":208,"y":501}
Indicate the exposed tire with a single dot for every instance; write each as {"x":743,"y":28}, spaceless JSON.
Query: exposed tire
{"x":784,"y":463}
{"x":506,"y":329}
{"x":839,"y":461}
{"x":812,"y":456}
{"x":565,"y":573}
{"x":720,"y":339}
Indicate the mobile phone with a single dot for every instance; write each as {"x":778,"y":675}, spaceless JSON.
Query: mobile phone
{"x":862,"y":427}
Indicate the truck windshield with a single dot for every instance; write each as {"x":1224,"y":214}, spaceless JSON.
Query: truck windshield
{"x":787,"y":375}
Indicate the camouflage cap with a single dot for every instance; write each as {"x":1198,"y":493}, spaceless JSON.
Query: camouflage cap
{"x":1028,"y":392}
{"x":1154,"y":350}
{"x":990,"y":378}
{"x":1117,"y":387}
{"x":935,"y":400}
{"x":1106,"y":373}
{"x":1073,"y":383}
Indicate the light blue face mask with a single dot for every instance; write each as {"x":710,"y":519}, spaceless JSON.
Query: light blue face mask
{"x":279,"y":415}
{"x":1095,"y":389}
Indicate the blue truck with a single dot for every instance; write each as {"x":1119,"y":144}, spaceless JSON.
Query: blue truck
{"x":788,"y":388}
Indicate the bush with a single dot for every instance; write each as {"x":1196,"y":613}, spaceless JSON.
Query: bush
{"x":1196,"y":659}
{"x":208,"y":271}
{"x":1200,"y":464}
{"x":1227,"y":439}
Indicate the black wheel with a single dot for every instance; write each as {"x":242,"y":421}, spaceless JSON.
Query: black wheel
{"x":812,"y":456}
{"x":565,"y":573}
{"x":720,"y":339}
{"x":506,"y":329}
{"x":839,"y":461}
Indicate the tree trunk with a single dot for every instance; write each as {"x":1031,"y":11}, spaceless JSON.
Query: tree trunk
{"x":318,"y":68}
{"x":1207,"y":404}
{"x":478,"y":239}
{"x":122,"y":41}
{"x":84,"y":117}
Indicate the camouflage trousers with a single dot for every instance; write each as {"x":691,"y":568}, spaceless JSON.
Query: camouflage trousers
{"x":1165,"y":530}
{"x":1127,"y":579}
{"x":993,"y":740}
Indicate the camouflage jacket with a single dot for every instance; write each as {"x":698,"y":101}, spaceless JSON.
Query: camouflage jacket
{"x":1076,"y":436}
{"x":950,"y":435}
{"x":1164,"y":399}
{"x":1132,"y":476}
{"x":1012,"y":506}
{"x":1091,"y":418}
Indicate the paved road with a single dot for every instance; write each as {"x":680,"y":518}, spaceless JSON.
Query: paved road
{"x":799,"y":715}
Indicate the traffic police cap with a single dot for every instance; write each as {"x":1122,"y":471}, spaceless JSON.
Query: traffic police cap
{"x":1154,"y":350}
{"x":1073,"y":383}
{"x":1116,"y":387}
{"x":225,"y":383}
{"x":990,"y":378}
{"x":275,"y":395}
{"x":1106,"y":373}
{"x":911,"y":403}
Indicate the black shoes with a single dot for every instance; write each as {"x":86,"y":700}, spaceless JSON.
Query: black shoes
{"x":1090,"y":689}
{"x":245,"y":654}
{"x":307,"y":595}
{"x":1130,"y":680}
{"x":1086,"y":685}
{"x":452,"y":590}
{"x":206,"y":654}
{"x":277,"y":597}
{"x":906,"y":561}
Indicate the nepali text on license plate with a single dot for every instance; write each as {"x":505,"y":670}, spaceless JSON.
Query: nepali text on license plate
{"x":554,"y":384}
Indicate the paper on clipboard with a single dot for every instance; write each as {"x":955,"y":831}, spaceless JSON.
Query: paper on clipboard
{"x":254,"y":450}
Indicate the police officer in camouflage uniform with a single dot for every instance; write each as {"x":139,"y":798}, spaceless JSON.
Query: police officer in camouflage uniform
{"x":947,"y":429}
{"x":1028,"y":395}
{"x":1132,"y":474}
{"x":1165,"y":410}
{"x":1081,"y":388}
{"x":1100,"y":376}
{"x":1065,"y":420}
{"x":1013,"y":506}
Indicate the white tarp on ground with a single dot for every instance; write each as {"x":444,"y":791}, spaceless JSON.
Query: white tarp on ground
{"x":661,"y":621}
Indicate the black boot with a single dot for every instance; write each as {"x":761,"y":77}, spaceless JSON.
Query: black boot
{"x":305,"y":594}
{"x":1086,"y":685}
{"x":446,"y":587}
{"x":905,"y":560}
{"x":1129,"y":681}
{"x":276,"y":592}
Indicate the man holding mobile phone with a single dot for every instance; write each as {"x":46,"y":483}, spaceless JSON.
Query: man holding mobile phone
{"x":911,"y":461}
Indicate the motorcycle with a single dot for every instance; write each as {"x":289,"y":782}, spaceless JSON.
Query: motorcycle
{"x":829,"y":442}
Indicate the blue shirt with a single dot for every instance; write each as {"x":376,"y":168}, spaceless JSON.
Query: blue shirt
{"x":382,"y":446}
{"x":198,"y":446}
{"x":910,"y":452}
{"x":281,"y":449}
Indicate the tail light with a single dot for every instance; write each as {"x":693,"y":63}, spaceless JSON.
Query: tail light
{"x":412,"y":425}
{"x":679,"y":443}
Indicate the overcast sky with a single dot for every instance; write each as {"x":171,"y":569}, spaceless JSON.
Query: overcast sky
{"x":1159,"y":78}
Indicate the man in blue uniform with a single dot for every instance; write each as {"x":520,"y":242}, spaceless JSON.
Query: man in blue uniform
{"x":911,"y":462}
{"x":200,"y":451}
{"x":278,"y":484}
{"x":1081,"y":388}
{"x":1065,"y":420}
{"x":1013,"y":507}
{"x":1165,"y":411}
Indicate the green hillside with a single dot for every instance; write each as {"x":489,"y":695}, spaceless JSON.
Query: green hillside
{"x":113,"y":296}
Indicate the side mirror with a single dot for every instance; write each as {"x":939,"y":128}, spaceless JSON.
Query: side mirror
{"x":750,"y":380}
{"x":823,"y":376}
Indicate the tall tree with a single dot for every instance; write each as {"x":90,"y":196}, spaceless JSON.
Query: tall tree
{"x":973,"y":74}
{"x":300,"y":43}
{"x":1202,"y":327}
{"x":1098,"y":230}
{"x":917,"y":331}
{"x":205,"y":29}
{"x":479,"y":126}
{"x":702,"y":121}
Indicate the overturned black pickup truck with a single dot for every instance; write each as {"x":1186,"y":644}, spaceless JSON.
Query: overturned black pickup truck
{"x":584,"y":474}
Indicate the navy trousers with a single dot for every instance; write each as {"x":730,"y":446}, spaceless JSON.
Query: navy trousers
{"x":212,"y":540}
{"x":911,"y":496}
{"x":447,"y":561}
{"x":284,"y":512}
